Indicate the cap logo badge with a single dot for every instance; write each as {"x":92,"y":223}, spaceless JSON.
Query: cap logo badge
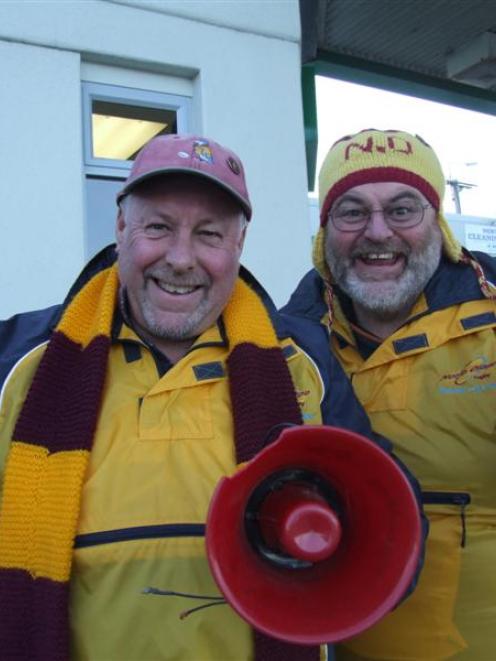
{"x":233,"y":165}
{"x":202,"y":151}
{"x":393,"y":144}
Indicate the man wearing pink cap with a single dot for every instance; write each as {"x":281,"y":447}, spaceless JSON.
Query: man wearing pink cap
{"x":166,"y":367}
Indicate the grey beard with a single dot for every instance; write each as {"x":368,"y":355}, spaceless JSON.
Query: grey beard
{"x":174,"y":333}
{"x":184,"y":329}
{"x":386,"y":299}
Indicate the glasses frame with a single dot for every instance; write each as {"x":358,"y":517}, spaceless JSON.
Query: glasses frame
{"x":408,"y":226}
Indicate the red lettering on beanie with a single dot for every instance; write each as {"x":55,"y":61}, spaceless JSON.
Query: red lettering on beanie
{"x":356,"y":145}
{"x":394,"y":144}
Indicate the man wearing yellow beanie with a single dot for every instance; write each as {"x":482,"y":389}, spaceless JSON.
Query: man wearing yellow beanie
{"x":412,"y":319}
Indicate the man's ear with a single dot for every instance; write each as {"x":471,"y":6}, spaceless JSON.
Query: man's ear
{"x":120,"y":226}
{"x":242,"y":238}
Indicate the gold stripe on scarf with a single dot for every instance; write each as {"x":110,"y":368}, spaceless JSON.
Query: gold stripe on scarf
{"x":83,"y":321}
{"x":246,"y":319}
{"x":37,"y":529}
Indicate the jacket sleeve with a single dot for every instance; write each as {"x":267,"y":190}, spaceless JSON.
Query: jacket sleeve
{"x":340,"y":406}
{"x":23,"y":332}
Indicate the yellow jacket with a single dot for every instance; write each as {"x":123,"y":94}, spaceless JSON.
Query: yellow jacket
{"x":431,"y":388}
{"x":152,"y":471}
{"x":164,"y":438}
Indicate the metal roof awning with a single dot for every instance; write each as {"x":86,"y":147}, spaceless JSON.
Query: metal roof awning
{"x":442,"y":50}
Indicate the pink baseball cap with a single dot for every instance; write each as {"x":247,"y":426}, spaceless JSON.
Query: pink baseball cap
{"x":190,"y":154}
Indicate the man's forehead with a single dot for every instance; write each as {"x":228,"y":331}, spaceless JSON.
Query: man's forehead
{"x":384,"y":190}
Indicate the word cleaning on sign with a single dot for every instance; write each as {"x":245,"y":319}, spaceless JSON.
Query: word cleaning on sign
{"x":481,"y":237}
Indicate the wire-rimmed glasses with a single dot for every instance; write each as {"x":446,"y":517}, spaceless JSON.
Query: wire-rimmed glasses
{"x":353,"y":217}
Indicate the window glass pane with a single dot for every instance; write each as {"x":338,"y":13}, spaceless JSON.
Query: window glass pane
{"x":120,"y":130}
{"x":101,"y":212}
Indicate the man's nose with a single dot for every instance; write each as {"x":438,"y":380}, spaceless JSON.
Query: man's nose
{"x":377,"y":228}
{"x":180,"y":253}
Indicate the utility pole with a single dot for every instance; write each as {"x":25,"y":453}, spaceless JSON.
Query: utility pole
{"x":456,"y":188}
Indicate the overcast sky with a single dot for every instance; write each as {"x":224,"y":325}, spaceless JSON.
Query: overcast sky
{"x":465,"y":141}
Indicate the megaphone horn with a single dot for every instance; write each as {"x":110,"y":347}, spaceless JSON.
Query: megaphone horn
{"x":316,"y":538}
{"x":291,"y":520}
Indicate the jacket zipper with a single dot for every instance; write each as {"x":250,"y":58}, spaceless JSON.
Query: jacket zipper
{"x":458,"y":498}
{"x":139,"y":532}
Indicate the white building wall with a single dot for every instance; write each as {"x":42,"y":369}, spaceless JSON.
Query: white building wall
{"x":240,"y":60}
{"x":41,"y":182}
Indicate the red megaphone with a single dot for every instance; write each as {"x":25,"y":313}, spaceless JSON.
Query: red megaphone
{"x":316,"y":538}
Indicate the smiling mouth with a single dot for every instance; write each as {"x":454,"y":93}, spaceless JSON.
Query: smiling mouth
{"x":379,"y":258}
{"x":176,"y":290}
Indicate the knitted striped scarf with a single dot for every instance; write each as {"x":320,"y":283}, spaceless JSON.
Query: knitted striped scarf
{"x":51,"y":446}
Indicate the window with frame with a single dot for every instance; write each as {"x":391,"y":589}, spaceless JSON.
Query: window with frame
{"x":117,"y":122}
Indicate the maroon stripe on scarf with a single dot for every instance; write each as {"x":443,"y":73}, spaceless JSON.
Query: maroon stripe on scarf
{"x":270,"y":649}
{"x":61,"y":408}
{"x":262,"y":396}
{"x":34,"y":620}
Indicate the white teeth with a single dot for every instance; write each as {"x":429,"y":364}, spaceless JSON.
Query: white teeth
{"x":175,"y":289}
{"x":379,"y":255}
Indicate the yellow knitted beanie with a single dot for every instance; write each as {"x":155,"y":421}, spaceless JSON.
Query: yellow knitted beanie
{"x":373,"y":156}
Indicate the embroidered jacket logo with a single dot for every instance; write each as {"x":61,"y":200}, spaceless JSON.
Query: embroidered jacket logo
{"x":477,"y":375}
{"x":301,"y":396}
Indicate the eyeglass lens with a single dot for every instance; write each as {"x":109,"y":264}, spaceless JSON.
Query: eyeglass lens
{"x":352,"y":216}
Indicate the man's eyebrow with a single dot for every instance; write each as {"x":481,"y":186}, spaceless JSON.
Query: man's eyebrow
{"x":158,"y":215}
{"x":347,"y":197}
{"x":409,"y":194}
